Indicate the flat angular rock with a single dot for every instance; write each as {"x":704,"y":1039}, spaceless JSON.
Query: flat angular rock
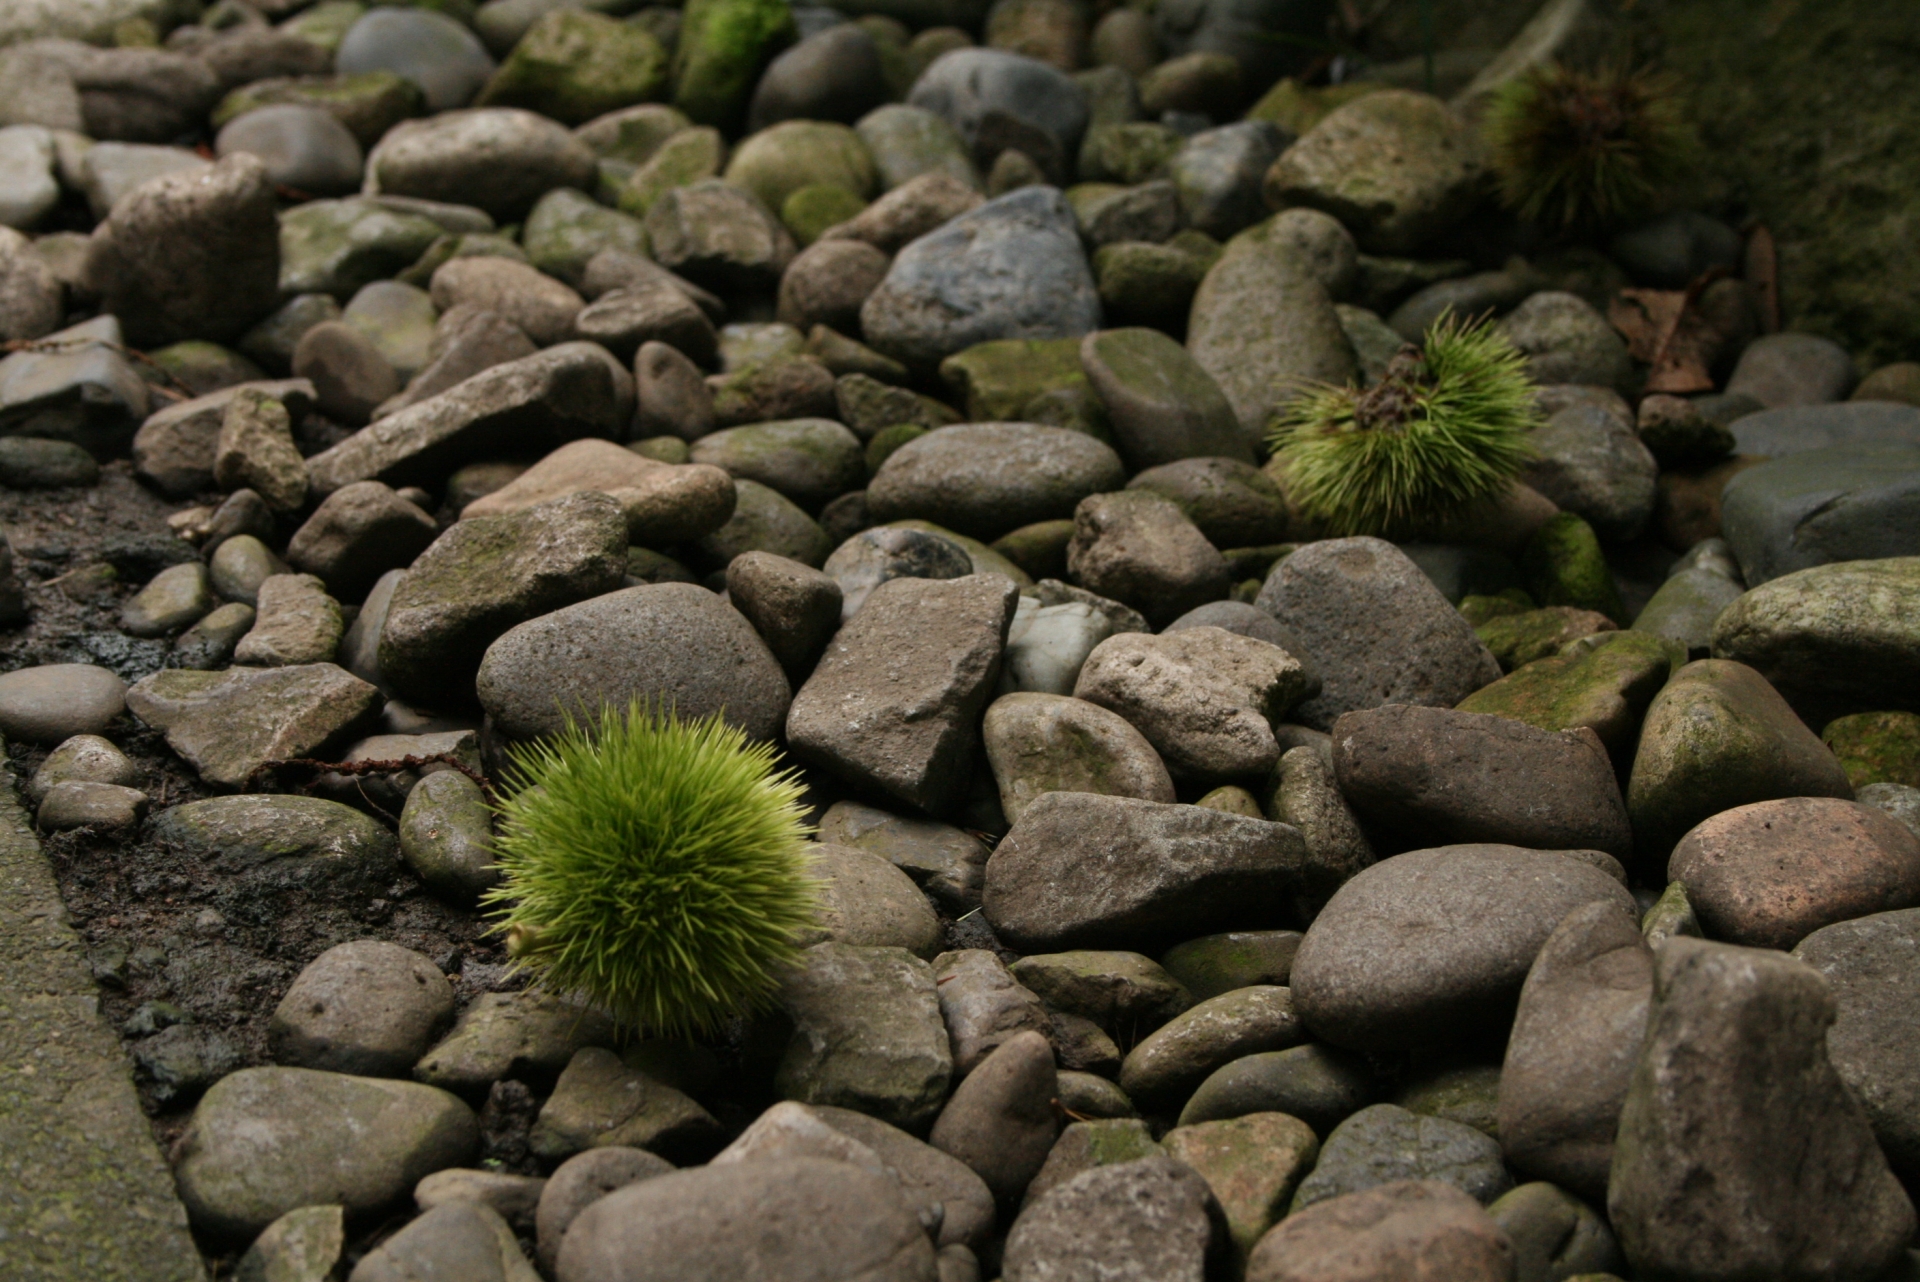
{"x":1013,"y":268}
{"x":175,"y":447}
{"x":522,"y":1035}
{"x":1415,"y":774}
{"x":1576,"y":1036}
{"x":704,"y":658}
{"x":867,"y":1034}
{"x":484,"y":576}
{"x":1205,"y":698}
{"x":719,"y":236}
{"x":664,"y":503}
{"x":88,"y":393}
{"x":1372,"y":974}
{"x":1374,"y":628}
{"x":1718,"y":736}
{"x":264,"y":1141}
{"x":600,"y":1101}
{"x":983,"y":1005}
{"x":793,"y":607}
{"x":521,"y":407}
{"x":1870,"y":967}
{"x":910,"y":732}
{"x":1741,"y":1150}
{"x":781,"y":1220}
{"x":1406,"y":1229}
{"x":1150,"y":1219}
{"x":1769,"y":874}
{"x":1041,"y":743}
{"x":1082,"y":870}
{"x":280,"y":844}
{"x":228,"y":724}
{"x":946,"y":862}
{"x":358,"y":533}
{"x":1826,"y":637}
{"x":297,"y":623}
{"x":984,"y":479}
{"x":1384,"y":1144}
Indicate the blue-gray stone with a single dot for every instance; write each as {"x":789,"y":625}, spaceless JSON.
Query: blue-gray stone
{"x":1843,"y":503}
{"x":1797,"y":428}
{"x":999,"y":100}
{"x":440,"y":55}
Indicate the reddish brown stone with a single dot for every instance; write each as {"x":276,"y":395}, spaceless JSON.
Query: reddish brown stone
{"x":1772,"y":873}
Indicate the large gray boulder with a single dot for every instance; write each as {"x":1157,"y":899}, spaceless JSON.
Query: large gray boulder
{"x":1013,"y":268}
{"x":665,"y":645}
{"x":1741,"y":1151}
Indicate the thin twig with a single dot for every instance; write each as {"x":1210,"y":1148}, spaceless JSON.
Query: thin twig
{"x":392,"y":766}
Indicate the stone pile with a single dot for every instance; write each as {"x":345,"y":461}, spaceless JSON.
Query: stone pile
{"x":1201,"y":896}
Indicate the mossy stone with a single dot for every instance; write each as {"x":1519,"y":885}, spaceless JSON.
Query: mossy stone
{"x":1128,"y":154}
{"x":1877,"y":747}
{"x":1147,"y":284}
{"x":1083,"y":1146}
{"x":1297,"y":108}
{"x":368,"y":104}
{"x":201,"y":366}
{"x":889,"y":439}
{"x":1468,"y":1094}
{"x":476,"y":244}
{"x":566,"y":229}
{"x":993,"y":382}
{"x":776,"y":162}
{"x":336,"y":246}
{"x":1040,"y":549}
{"x":906,"y":142}
{"x":1605,"y":686}
{"x":1478,"y":609}
{"x":1216,"y":964}
{"x":685,"y":158}
{"x":633,"y":134}
{"x":723,"y":46}
{"x":574,"y":65}
{"x":1518,"y":639}
{"x":327,"y":23}
{"x":764,"y":520}
{"x":1565,"y":566}
{"x":811,"y":209}
{"x":1671,"y":914}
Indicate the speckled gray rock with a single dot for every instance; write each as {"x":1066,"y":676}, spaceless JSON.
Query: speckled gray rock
{"x":83,"y":758}
{"x":526,"y":1035}
{"x":275,"y":844}
{"x":984,"y":479}
{"x":192,"y":255}
{"x":765,"y":520}
{"x":1384,"y":1143}
{"x":265,"y":1141}
{"x":599,"y":1100}
{"x":1141,"y":549}
{"x":1406,"y":1229}
{"x":997,"y":100}
{"x":1397,"y":167}
{"x":867,"y":1034}
{"x":1263,"y":320}
{"x":446,"y":836}
{"x":1374,"y":628}
{"x":1741,"y":1150}
{"x":77,"y":804}
{"x":499,"y":159}
{"x":487,"y":574}
{"x":1566,"y":341}
{"x":367,"y":1007}
{"x":793,"y":607}
{"x":582,"y":1180}
{"x":705,"y":658}
{"x":939,"y":643}
{"x":228,"y":724}
{"x":1590,"y":461}
{"x":1013,"y":268}
{"x":1205,"y":698}
{"x":945,"y":861}
{"x":719,"y":236}
{"x":305,"y":1244}
{"x":296,"y":622}
{"x":982,"y":1005}
{"x":1416,"y":775}
{"x":778,"y":1220}
{"x":1149,"y":1220}
{"x":358,"y":533}
{"x":1041,"y":743}
{"x":1306,"y":793}
{"x":461,"y":1236}
{"x":1083,"y":870}
{"x":1219,"y":173}
{"x":863,"y":899}
{"x":1367,"y":978}
{"x":1582,"y":1016}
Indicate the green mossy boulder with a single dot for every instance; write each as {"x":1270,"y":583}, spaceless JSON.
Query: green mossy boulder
{"x":567,"y":228}
{"x":1877,"y":747}
{"x":1564,"y":565}
{"x":776,"y":162}
{"x":1604,"y":682}
{"x":1518,"y":639}
{"x":1216,"y":964}
{"x":368,"y":104}
{"x":574,"y":65}
{"x":687,"y":157}
{"x":723,"y":46}
{"x":812,"y":209}
{"x":995,"y":382}
{"x":1128,"y":154}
